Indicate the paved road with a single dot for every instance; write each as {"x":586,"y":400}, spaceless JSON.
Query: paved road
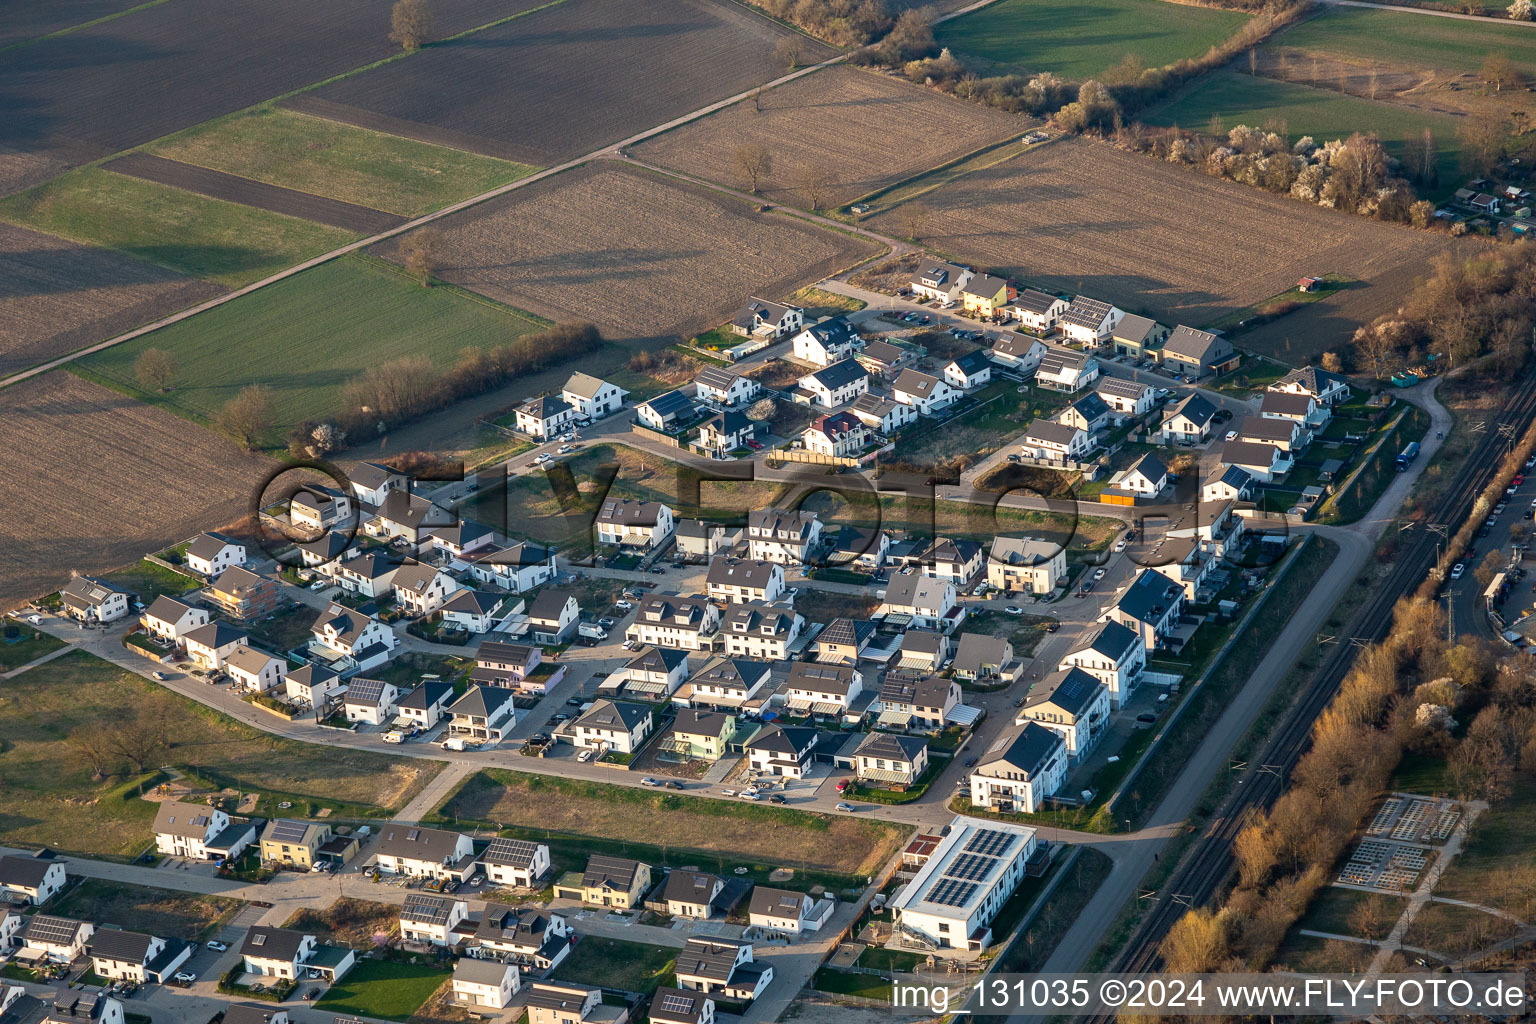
{"x":1431,"y":13}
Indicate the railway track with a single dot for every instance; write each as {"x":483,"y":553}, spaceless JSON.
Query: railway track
{"x":1203,"y":870}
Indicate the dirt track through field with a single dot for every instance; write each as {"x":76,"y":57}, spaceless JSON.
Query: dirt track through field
{"x":235,"y":189}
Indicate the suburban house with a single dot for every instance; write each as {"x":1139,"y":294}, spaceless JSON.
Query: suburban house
{"x":533,"y":939}
{"x":1137,"y":336}
{"x":936,"y":279}
{"x":592,"y":397}
{"x":211,"y":553}
{"x":553,"y":616}
{"x":885,"y":360}
{"x":1301,"y":409}
{"x":722,"y":967}
{"x":958,"y":561}
{"x":783,"y":751}
{"x":516,"y":568}
{"x":33,"y":880}
{"x":883,"y":415}
{"x":408,"y":517}
{"x":1038,"y":311}
{"x":312,"y":685}
{"x":1073,"y":704}
{"x":294,"y":844}
{"x":431,"y":919}
{"x":372,"y":481}
{"x":1262,"y":462}
{"x":1149,"y":607}
{"x":726,"y":683}
{"x":828,"y":342}
{"x":782,"y":912}
{"x":760,"y":318}
{"x":984,"y":295}
{"x":666,"y":412}
{"x":426,"y":705}
{"x":699,"y":538}
{"x":607,"y":882}
{"x":133,"y":956}
{"x":324,"y":551}
{"x":844,"y":641}
{"x":1186,"y":562}
{"x":675,"y":1006}
{"x":789,"y":538}
{"x":617,"y":726}
{"x":422,"y":589}
{"x":666,"y":620}
{"x":725,"y":388}
{"x":823,"y":690}
{"x":504,"y":664}
{"x":424,"y":852}
{"x":318,"y":508}
{"x":485,"y":714}
{"x":1090,"y":413}
{"x":81,"y":1006}
{"x":918,"y":703}
{"x":560,"y":1002}
{"x":654,"y":673}
{"x":1285,"y":434}
{"x":210,"y":645}
{"x":1026,"y":565}
{"x":473,"y":611}
{"x":285,"y":953}
{"x":198,"y":832}
{"x":170,"y":619}
{"x":725,"y":432}
{"x":1189,"y":421}
{"x":52,"y":939}
{"x":890,"y":759}
{"x":255,"y":670}
{"x":1064,"y":369}
{"x":1126,"y":398}
{"x":969,"y":371}
{"x":692,"y":893}
{"x":515,"y":862}
{"x":698,"y":735}
{"x":1024,"y":768}
{"x":841,"y":435}
{"x":860,"y":548}
{"x":371,"y":574}
{"x":90,"y":599}
{"x":459,"y":541}
{"x":1146,"y":476}
{"x":1197,"y":354}
{"x":1325,"y":388}
{"x":1053,"y":441}
{"x":969,"y":874}
{"x":369,"y":701}
{"x":349,"y":639}
{"x":1233,"y":484}
{"x":629,"y":522}
{"x":835,"y":385}
{"x":924,"y":392}
{"x":983,"y":659}
{"x":1112,"y":654}
{"x":736,"y":579}
{"x":1090,"y":322}
{"x":757,"y":630}
{"x":1019,"y":352}
{"x":926,"y":602}
{"x":484,"y":984}
{"x":545,"y":417}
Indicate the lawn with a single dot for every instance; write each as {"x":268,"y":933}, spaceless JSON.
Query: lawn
{"x":304,"y":337}
{"x":1489,"y":868}
{"x":26,"y":645}
{"x":339,"y":161}
{"x":1081,"y":40}
{"x":1415,"y":40}
{"x":182,"y":231}
{"x":1321,"y":113}
{"x":148,"y":580}
{"x":164,"y":912}
{"x":613,"y":963}
{"x":48,"y":796}
{"x":818,"y":302}
{"x":382,"y":988}
{"x":1352,"y":912}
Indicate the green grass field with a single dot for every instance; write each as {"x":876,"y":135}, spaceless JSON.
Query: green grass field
{"x":328,"y":158}
{"x":1080,"y":40}
{"x":1323,"y":114}
{"x":383,"y":988}
{"x":305,"y":336}
{"x":1414,"y":40}
{"x":186,"y":232}
{"x":614,"y":963}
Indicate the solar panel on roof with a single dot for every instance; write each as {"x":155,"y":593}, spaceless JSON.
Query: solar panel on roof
{"x":990,"y":841}
{"x":55,"y":930}
{"x":952,"y":892}
{"x":675,"y":1003}
{"x":971,"y":867}
{"x":285,"y":830}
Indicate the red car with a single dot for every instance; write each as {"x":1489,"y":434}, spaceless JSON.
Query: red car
{"x":1519,"y":479}
{"x":756,"y":446}
{"x":842,"y":786}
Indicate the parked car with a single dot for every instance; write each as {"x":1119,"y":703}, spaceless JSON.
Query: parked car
{"x":845,"y":807}
{"x":1100,"y":573}
{"x":648,"y":781}
{"x":312,"y":994}
{"x":217,"y":946}
{"x":1146,"y":716}
{"x":777,"y":798}
{"x":1457,"y":570}
{"x":1014,"y":609}
{"x":586,"y":755}
{"x":1231,"y":435}
{"x":158,"y":676}
{"x":756,"y":446}
{"x":185,"y":977}
{"x":674,"y":784}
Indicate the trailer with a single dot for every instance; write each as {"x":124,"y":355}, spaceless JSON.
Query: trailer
{"x":1406,"y":457}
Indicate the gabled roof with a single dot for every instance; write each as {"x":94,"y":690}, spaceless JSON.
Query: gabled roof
{"x":521,"y":553}
{"x":735,"y":673}
{"x":670,"y":403}
{"x":216,"y":635}
{"x":1192,"y":345}
{"x":545,"y":407}
{"x":1071,"y":689}
{"x":1134,"y":328}
{"x":125,"y":947}
{"x":1023,"y":550}
{"x":978,"y":650}
{"x":24,"y":872}
{"x":630,"y":512}
{"x":1286,"y":403}
{"x":167,"y":609}
{"x":915,"y":382}
{"x":1249,"y":453}
{"x":1011,"y":344}
{"x":891,"y":746}
{"x":725,"y":571}
{"x":1193,"y":407}
{"x":481,"y":972}
{"x":517,"y":853}
{"x":367,"y":693}
{"x":1121,"y":388}
{"x":717,"y":378}
{"x":1052,"y":432}
{"x":678,"y":1006}
{"x":1149,"y":597}
{"x":549,"y":604}
{"x":657,"y":659}
{"x":818,"y":678}
{"x":708,"y":958}
{"x":584,"y":385}
{"x":985,"y":286}
{"x":251,"y":660}
{"x":1090,"y":407}
{"x":792,"y":741}
{"x":832,"y":331}
{"x":235,"y":579}
{"x":407,"y":509}
{"x":1236,"y":477}
{"x":424,"y":908}
{"x":727,"y":424}
{"x":1110,"y":639}
{"x":1311,"y":379}
{"x":486,"y":702}
{"x":90,"y":589}
{"x":922,"y":692}
{"x":916,"y":589}
{"x":610,"y":872}
{"x":1035,"y":301}
{"x":771,"y":902}
{"x":1262,"y":429}
{"x":1058,"y":361}
{"x":695,"y":887}
{"x":412,"y":842}
{"x":1086,"y":312}
{"x":698,"y":722}
{"x":472,"y":602}
{"x":971,"y":363}
{"x":612,"y":714}
{"x":268,"y":943}
{"x":840,"y":374}
{"x":425,"y":695}
{"x":883,"y":352}
{"x":843,"y":632}
{"x":1025,"y":748}
{"x":208,"y":545}
{"x":1149,"y":466}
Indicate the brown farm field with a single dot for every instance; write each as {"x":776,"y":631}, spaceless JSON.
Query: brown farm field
{"x":99,"y":479}
{"x":840,"y":121}
{"x":1151,"y":237}
{"x":57,"y":296}
{"x":642,"y":256}
{"x":567,"y":80}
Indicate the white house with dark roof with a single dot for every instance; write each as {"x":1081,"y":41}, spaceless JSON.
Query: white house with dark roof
{"x":422,"y":589}
{"x":957,"y":560}
{"x":969,"y":371}
{"x":426,"y":704}
{"x":1189,"y":421}
{"x":474,"y":611}
{"x":629,"y":522}
{"x":564,"y":1002}
{"x":936,"y":279}
{"x":1053,"y":441}
{"x":742,"y":579}
{"x":255,"y":670}
{"x":1038,"y":311}
{"x":1150,"y":607}
{"x":170,"y":619}
{"x":1019,"y":352}
{"x":516,"y":568}
{"x":591,"y":397}
{"x":370,"y":574}
{"x":408,"y":517}
{"x":789,"y":538}
{"x":82,"y":1006}
{"x":983,"y":658}
{"x":459,"y":540}
{"x":653,"y":672}
{"x":315,"y":508}
{"x":699,"y":538}
{"x":1090,"y":413}
{"x":830,"y":341}
{"x":198,"y":831}
{"x":609,"y":725}
{"x":485,"y":714}
{"x":1064,"y":369}
{"x":92,"y":599}
{"x":760,"y":630}
{"x":678,"y":1006}
{"x":276,"y":952}
{"x":1126,"y":398}
{"x":515,"y":862}
{"x":1112,"y":654}
{"x":211,"y":553}
{"x":926,"y":602}
{"x":890,"y":759}
{"x":1071,"y":703}
{"x":923,"y":391}
{"x":1231,"y":483}
{"x":370,"y":701}
{"x":1285,"y":434}
{"x":53,"y":939}
{"x":882,"y":415}
{"x":553,"y":615}
{"x":691,"y":893}
{"x":1026,"y":565}
{"x":722,"y":967}
{"x":343,"y":637}
{"x":372,"y":481}
{"x":667,"y":620}
{"x":762,"y":318}
{"x":725,"y":432}
{"x":1301,"y":409}
{"x":545,"y":417}
{"x":1146,"y":476}
{"x":209,"y":646}
{"x":723,"y":387}
{"x":136,"y":957}
{"x":431,"y":919}
{"x":788,"y":913}
{"x":666,"y":412}
{"x":725,"y":683}
{"x":1090,"y":321}
{"x":1185,"y":561}
{"x":1263,"y":462}
{"x":885,"y":360}
{"x":1324,"y":387}
{"x":840,"y":435}
{"x":822,"y":690}
{"x":917,"y":703}
{"x":424,"y":852}
{"x":782,"y":751}
{"x":1197,"y":353}
{"x":31,"y":879}
{"x":835,"y":385}
{"x":485,"y":984}
{"x":313,"y":685}
{"x":1024,"y":767}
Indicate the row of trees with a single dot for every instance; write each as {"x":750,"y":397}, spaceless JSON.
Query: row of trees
{"x":839,"y":22}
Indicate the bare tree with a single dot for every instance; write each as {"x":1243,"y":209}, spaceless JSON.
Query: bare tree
{"x":757,"y":101}
{"x":814,"y":180}
{"x":421,"y":251}
{"x":1498,"y":71}
{"x":155,"y":368}
{"x":138,"y":740}
{"x":753,"y":163}
{"x":94,"y":746}
{"x":412,"y":24}
{"x":247,"y":417}
{"x":1483,"y":136}
{"x":914,"y":217}
{"x":789,"y":51}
